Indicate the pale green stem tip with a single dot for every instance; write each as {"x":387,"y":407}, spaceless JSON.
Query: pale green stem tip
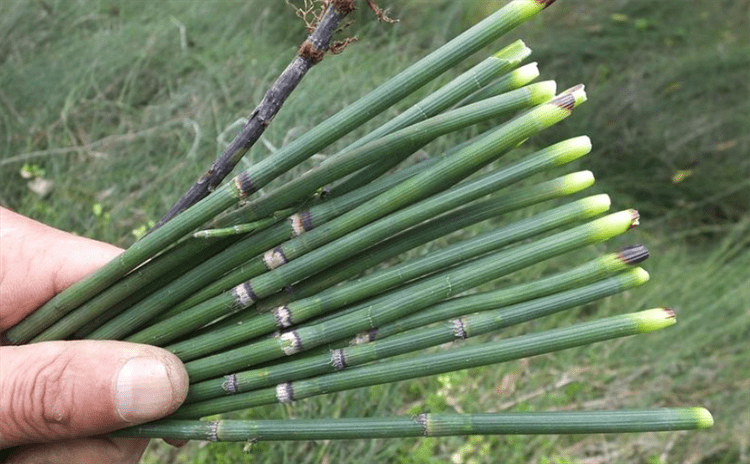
{"x":525,"y":74}
{"x":542,"y":91}
{"x":573,"y":149}
{"x":526,"y":8}
{"x":575,"y":182}
{"x":613,"y":225}
{"x":640,"y":276}
{"x":704,"y":417}
{"x":654,"y":319}
{"x":597,"y":204}
{"x":613,"y":263}
{"x":517,"y":51}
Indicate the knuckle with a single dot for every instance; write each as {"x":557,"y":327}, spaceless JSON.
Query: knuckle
{"x":47,"y":402}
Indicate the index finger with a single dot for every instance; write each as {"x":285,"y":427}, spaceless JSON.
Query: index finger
{"x":37,"y":262}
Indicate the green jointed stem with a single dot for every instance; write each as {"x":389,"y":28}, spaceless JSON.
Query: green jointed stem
{"x":142,"y":250}
{"x":586,"y":273}
{"x":429,"y":425}
{"x":430,"y":106}
{"x":340,"y":249}
{"x":444,"y":98}
{"x":365,"y":287}
{"x":419,"y":235}
{"x":434,"y":228}
{"x":193,"y":318}
{"x":496,"y":239}
{"x":403,"y":301}
{"x":399,"y":144}
{"x":393,"y":90}
{"x":417,"y":339}
{"x":299,"y":223}
{"x":130,"y":284}
{"x":239,"y":228}
{"x":438,"y":363}
{"x":512,"y":80}
{"x":553,"y":156}
{"x":430,"y":230}
{"x":339,"y":238}
{"x":468,"y":115}
{"x":203,"y":276}
{"x":249,"y":181}
{"x":446,"y":171}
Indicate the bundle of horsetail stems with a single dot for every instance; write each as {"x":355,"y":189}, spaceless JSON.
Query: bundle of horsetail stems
{"x":278,"y":297}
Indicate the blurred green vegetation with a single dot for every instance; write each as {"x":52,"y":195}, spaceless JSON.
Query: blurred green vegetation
{"x":108,"y":112}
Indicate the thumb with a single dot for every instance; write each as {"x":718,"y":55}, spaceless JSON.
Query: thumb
{"x":62,"y":390}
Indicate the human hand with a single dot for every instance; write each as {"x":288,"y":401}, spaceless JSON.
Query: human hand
{"x":53,"y":395}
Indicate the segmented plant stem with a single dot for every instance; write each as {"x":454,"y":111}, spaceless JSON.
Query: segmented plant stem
{"x":429,"y":425}
{"x":437,"y":363}
{"x":410,"y":298}
{"x":417,"y":339}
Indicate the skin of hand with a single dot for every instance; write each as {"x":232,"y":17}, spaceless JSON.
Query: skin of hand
{"x":54,"y":396}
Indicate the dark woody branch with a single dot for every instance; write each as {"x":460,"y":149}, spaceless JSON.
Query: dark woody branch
{"x":310,"y":53}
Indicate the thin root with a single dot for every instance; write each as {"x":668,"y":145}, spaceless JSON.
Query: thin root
{"x":381,"y":14}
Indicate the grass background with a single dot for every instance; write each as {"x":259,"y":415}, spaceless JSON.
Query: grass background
{"x":104,"y":106}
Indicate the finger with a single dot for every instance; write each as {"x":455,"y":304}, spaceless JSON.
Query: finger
{"x":62,"y":390}
{"x":37,"y":262}
{"x":84,"y":450}
{"x":175,"y":442}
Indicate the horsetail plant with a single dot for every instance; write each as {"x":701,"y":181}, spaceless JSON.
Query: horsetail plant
{"x":298,"y":223}
{"x":341,"y":236}
{"x":397,"y":145}
{"x":247,"y":249}
{"x":581,"y":275}
{"x":462,"y":86}
{"x":410,"y":298}
{"x":419,"y":338}
{"x":249,"y":181}
{"x":429,"y":425}
{"x":552,"y":156}
{"x":427,"y":107}
{"x":437,"y":363}
{"x":305,"y":291}
{"x":332,"y":299}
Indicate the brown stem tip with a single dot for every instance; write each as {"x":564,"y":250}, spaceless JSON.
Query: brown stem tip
{"x":546,"y":3}
{"x":633,"y":255}
{"x":244,"y":185}
{"x":670,"y":313}
{"x":635,"y":218}
{"x":567,"y":100}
